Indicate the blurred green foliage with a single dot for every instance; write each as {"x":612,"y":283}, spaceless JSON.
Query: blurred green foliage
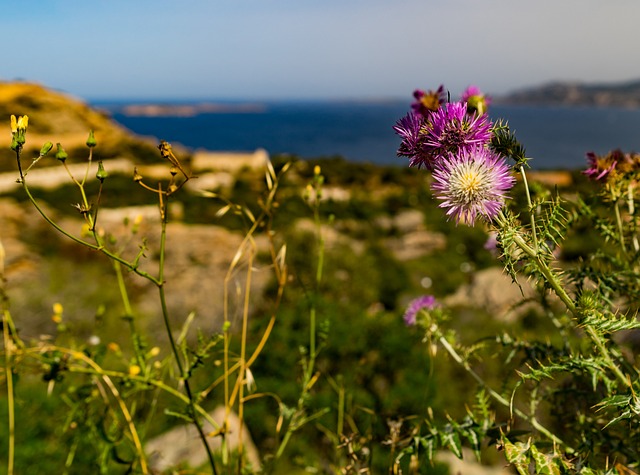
{"x":384,"y":369}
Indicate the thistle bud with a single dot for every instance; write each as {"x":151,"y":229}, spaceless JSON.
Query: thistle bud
{"x":101,"y":174}
{"x":477,"y":103}
{"x":91,"y":140}
{"x":60,"y":153}
{"x":46,"y":148}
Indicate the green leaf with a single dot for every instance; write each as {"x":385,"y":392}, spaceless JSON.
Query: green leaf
{"x":518,"y":455}
{"x":452,"y":441}
{"x":474,"y":440}
{"x":545,"y":464}
{"x":428,"y":443}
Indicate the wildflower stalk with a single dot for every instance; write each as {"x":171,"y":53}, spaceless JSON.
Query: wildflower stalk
{"x":531,"y":419}
{"x":96,"y":247}
{"x":10,"y":395}
{"x":128,"y":313}
{"x":133,"y":266}
{"x":174,"y":348}
{"x":242,"y":377}
{"x":309,"y":376}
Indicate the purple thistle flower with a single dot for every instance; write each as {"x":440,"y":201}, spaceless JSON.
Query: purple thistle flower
{"x":450,"y":130}
{"x":601,"y":167}
{"x":471,"y":184}
{"x":428,"y":102}
{"x":427,"y":302}
{"x":408,"y":128}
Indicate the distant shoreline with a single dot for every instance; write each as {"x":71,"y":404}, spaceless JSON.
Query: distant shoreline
{"x":623,"y":95}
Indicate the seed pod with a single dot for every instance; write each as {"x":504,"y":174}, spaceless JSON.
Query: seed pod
{"x":61,"y":154}
{"x":101,"y":174}
{"x":46,"y":148}
{"x":91,"y":141}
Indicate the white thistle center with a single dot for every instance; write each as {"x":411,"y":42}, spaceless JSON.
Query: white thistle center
{"x":469,"y":182}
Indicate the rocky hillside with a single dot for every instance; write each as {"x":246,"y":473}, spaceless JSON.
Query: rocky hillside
{"x":624,"y":94}
{"x":58,"y":117}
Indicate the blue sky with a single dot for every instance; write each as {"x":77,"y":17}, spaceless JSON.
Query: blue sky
{"x":274,"y":49}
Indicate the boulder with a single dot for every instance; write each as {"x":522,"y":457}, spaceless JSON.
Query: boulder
{"x":182,"y":445}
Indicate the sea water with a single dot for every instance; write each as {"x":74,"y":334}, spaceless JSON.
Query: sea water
{"x":555,"y":137}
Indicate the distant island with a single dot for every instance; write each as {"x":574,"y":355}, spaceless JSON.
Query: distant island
{"x":622,"y":94}
{"x":188,"y":110}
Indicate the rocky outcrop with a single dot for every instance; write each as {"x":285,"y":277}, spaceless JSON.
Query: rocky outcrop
{"x":493,"y":291}
{"x":468,"y":465}
{"x":182,"y":445}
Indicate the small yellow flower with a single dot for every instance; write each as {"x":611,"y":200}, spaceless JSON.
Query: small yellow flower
{"x":153,"y":352}
{"x":14,"y":124}
{"x":317,"y":170}
{"x":114,"y":347}
{"x":134,"y":370}
{"x":23,"y":122}
{"x":57,"y":312}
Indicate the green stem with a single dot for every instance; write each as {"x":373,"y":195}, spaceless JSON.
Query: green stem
{"x":499,"y":398}
{"x":174,"y":348}
{"x":129,"y":315}
{"x":10,"y":394}
{"x":534,"y":233}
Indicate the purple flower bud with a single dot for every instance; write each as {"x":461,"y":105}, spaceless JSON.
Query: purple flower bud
{"x":427,"y":302}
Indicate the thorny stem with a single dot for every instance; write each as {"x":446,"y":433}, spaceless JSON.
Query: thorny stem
{"x":631,"y":208}
{"x":499,"y":398}
{"x":534,"y":233}
{"x":616,"y":207}
{"x":552,"y":280}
